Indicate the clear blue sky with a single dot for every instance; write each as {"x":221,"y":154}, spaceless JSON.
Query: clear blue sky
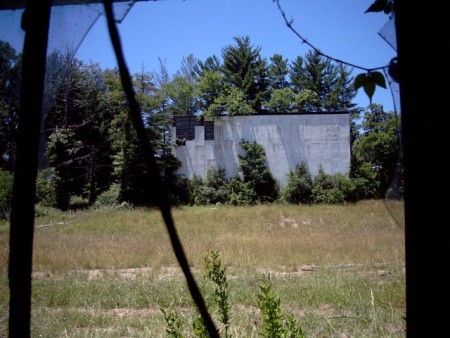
{"x":173,"y":29}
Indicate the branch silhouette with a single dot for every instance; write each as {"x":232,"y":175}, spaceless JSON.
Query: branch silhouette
{"x":289,"y":24}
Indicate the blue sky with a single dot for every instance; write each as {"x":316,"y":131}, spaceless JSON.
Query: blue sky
{"x":173,"y":29}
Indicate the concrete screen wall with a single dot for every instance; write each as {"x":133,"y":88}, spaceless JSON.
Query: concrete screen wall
{"x":288,"y":140}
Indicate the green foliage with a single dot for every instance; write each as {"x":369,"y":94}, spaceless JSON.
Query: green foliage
{"x":256,"y":174}
{"x":258,"y":185}
{"x":231,"y":101}
{"x":42,"y":210}
{"x":199,"y":328}
{"x":211,"y":191}
{"x":127,"y":158}
{"x":298,"y":189}
{"x":91,"y":138}
{"x":243,"y":68}
{"x":78,"y":202}
{"x":110,"y":197}
{"x":355,"y":126}
{"x":211,"y":64}
{"x":269,"y":304}
{"x":194,"y":186}
{"x":178,"y":189}
{"x":217,"y":189}
{"x":292,"y":327}
{"x":216,"y":180}
{"x":217,"y":274}
{"x":10,"y":71}
{"x":45,"y":189}
{"x":281,"y":101}
{"x":183,"y":96}
{"x":278,"y":72}
{"x":369,"y":81}
{"x":276,"y":323}
{"x":327,"y":189}
{"x":364,"y":178}
{"x":240,"y":192}
{"x":378,"y":146}
{"x":6,"y":187}
{"x":235,"y":103}
{"x":326,"y":86}
{"x":145,"y":90}
{"x":77,"y":128}
{"x":301,"y":188}
{"x":324,"y":188}
{"x":188,"y":68}
{"x":343,"y":92}
{"x":246,"y":84}
{"x":63,"y":149}
{"x":174,"y":325}
{"x":205,"y":195}
{"x":210,"y":88}
{"x":305,"y":99}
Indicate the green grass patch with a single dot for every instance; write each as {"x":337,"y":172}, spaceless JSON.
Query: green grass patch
{"x":338,"y":269}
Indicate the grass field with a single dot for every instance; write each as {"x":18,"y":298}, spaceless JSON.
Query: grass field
{"x":103,"y":273}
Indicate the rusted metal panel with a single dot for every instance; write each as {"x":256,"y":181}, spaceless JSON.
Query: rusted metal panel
{"x":209,"y":130}
{"x":185,"y":126}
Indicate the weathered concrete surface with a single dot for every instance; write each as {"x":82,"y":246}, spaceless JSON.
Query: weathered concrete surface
{"x":288,"y":139}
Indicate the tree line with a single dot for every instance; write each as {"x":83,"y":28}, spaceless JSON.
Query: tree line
{"x":90,"y":153}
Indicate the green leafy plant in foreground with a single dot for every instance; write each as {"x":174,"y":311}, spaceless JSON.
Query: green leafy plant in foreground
{"x":276,"y":322}
{"x":217,"y":274}
{"x":174,"y":325}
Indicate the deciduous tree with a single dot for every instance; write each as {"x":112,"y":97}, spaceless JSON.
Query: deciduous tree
{"x":379,"y":145}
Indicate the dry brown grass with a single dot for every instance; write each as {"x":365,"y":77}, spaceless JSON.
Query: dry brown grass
{"x":258,"y":236}
{"x":107,"y":272}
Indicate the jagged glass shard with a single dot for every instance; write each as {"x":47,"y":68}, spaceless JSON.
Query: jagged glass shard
{"x":388,"y":33}
{"x":70,"y":22}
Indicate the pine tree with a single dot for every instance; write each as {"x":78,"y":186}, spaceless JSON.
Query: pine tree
{"x":211,"y":64}
{"x":10,"y":68}
{"x":256,"y":173}
{"x":278,"y":72}
{"x":244,"y":69}
{"x":77,"y":128}
{"x":329,"y":83}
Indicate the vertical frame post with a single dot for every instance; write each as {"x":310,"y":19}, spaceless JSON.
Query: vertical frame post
{"x":35,"y":22}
